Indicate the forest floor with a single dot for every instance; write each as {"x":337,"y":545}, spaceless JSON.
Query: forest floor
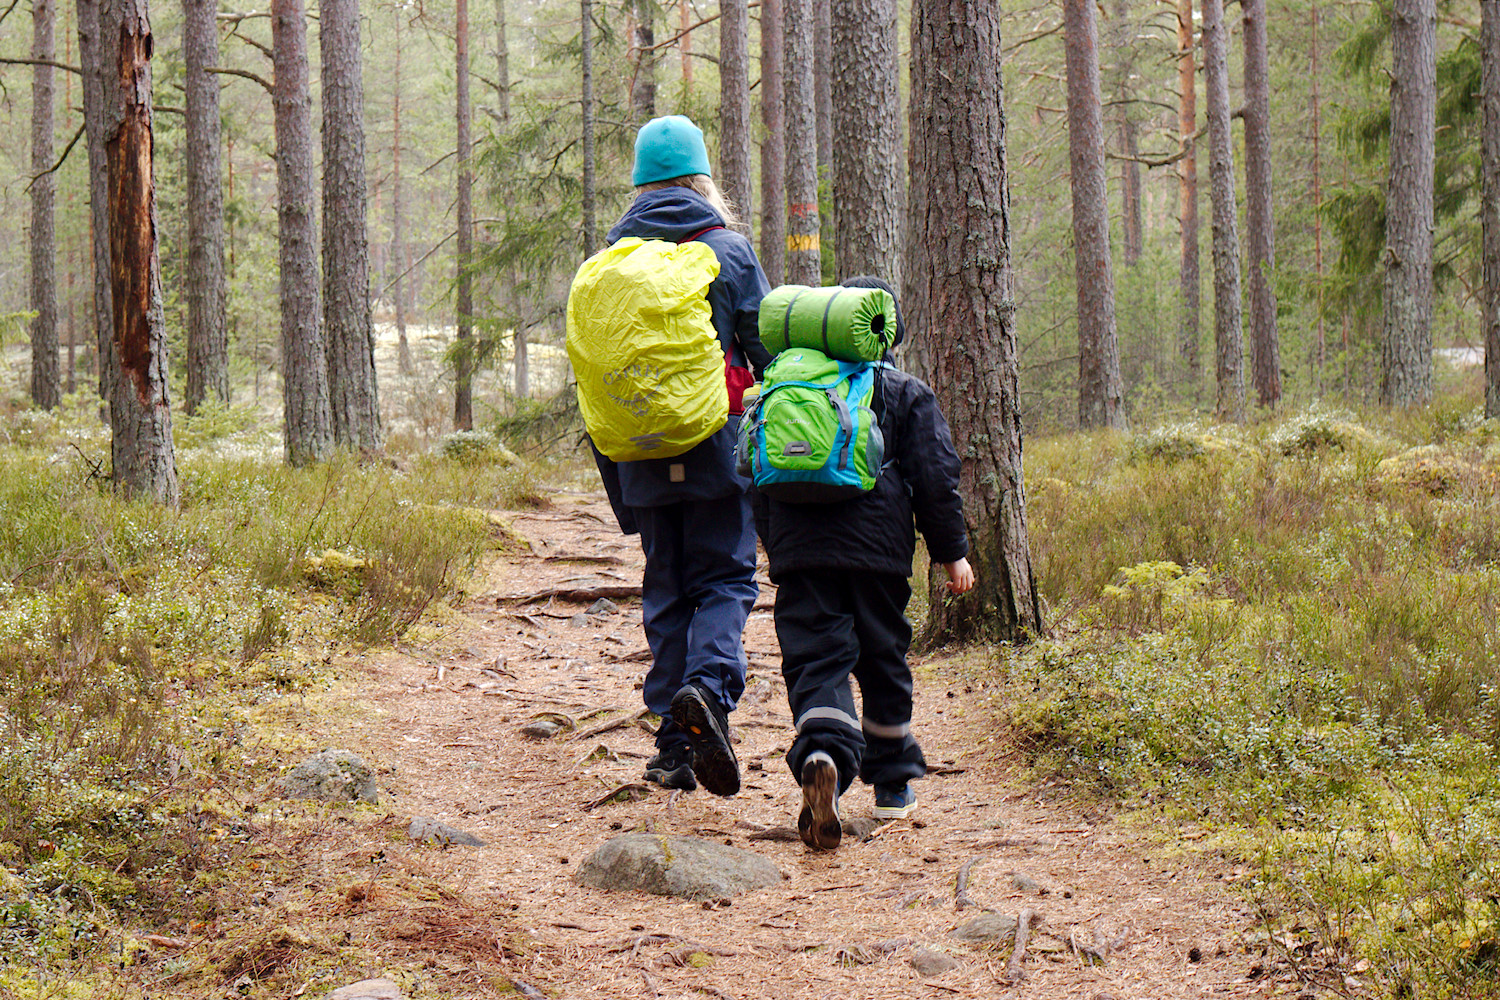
{"x":441,"y":722}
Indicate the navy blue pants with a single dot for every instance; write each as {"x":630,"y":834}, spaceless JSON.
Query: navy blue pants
{"x":834,"y":624}
{"x":697,"y":591}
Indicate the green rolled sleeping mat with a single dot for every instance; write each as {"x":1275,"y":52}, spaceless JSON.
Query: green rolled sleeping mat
{"x":849,"y":324}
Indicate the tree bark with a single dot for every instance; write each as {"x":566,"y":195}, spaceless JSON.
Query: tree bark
{"x":140,"y":414}
{"x":642,"y":15}
{"x":348,"y":332}
{"x":734,"y":105}
{"x":1406,"y":369}
{"x":304,"y":365}
{"x":1101,"y":392}
{"x":804,"y":261}
{"x":1187,"y":194}
{"x":959,"y":301}
{"x":586,"y":47}
{"x":207,"y":333}
{"x":46,"y":379}
{"x":463,"y":388}
{"x":400,"y":254}
{"x":1321,"y":348}
{"x":773,"y":146}
{"x":520,"y":362}
{"x":502,"y":67}
{"x":823,"y":88}
{"x":1228,"y":331}
{"x":90,"y":59}
{"x":867,"y":140}
{"x":1130,"y":169}
{"x":1489,"y":42}
{"x":1260,"y":218}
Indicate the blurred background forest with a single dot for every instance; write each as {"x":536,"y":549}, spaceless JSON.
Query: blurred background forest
{"x":1329,"y":115}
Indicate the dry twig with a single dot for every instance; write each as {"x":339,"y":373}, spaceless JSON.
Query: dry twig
{"x":1013,"y":971}
{"x":961,"y":889}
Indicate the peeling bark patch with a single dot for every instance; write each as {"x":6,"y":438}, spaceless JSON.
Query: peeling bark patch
{"x":132,"y":234}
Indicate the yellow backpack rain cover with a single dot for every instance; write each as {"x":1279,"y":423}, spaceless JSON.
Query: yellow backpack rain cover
{"x":641,"y":338}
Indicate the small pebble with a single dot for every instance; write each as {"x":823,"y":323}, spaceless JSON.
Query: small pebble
{"x":931,"y":859}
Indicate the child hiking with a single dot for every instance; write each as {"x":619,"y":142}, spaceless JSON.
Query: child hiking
{"x":841,"y":572}
{"x":662,"y":331}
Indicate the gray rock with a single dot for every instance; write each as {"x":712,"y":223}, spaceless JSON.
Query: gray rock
{"x":431,"y":831}
{"x":929,"y":963}
{"x":687,"y":867}
{"x":603,"y":606}
{"x":1026,"y":883}
{"x":542,"y":729}
{"x":987,"y":928}
{"x":368,"y":989}
{"x":580,"y":620}
{"x":331,"y":776}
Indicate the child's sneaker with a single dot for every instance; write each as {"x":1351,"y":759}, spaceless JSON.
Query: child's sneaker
{"x":707,"y":728}
{"x":672,"y":768}
{"x":894,"y":801}
{"x":818,"y":824}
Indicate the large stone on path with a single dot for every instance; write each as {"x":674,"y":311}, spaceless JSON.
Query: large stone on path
{"x":987,"y":928}
{"x":929,"y":962}
{"x":687,"y":867}
{"x":331,"y":776}
{"x":425,"y":830}
{"x":368,"y":989}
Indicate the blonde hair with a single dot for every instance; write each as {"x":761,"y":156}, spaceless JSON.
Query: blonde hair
{"x":705,"y":186}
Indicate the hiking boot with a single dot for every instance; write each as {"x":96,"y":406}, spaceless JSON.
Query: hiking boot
{"x":706,"y":726}
{"x":672,"y":768}
{"x":894,"y":801}
{"x":818,"y":824}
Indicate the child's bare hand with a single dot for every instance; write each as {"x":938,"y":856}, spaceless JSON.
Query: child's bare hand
{"x":960,"y":576}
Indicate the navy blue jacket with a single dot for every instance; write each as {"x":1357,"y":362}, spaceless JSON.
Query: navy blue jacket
{"x":708,"y":470}
{"x":918,"y":487}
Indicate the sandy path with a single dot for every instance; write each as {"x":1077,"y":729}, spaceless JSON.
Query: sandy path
{"x":458,"y":756}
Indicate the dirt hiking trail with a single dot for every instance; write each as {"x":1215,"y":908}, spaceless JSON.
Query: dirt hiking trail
{"x":443,"y":724}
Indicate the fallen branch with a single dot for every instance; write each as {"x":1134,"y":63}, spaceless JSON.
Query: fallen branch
{"x":631,"y":792}
{"x":1101,"y":946}
{"x":576,"y":595}
{"x":584,"y":557}
{"x":613,"y":724}
{"x":1013,"y":971}
{"x":961,"y":888}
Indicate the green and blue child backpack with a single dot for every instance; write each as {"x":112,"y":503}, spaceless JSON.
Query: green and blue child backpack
{"x":812,"y":434}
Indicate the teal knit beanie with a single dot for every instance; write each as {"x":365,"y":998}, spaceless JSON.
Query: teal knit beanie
{"x":669,"y":147}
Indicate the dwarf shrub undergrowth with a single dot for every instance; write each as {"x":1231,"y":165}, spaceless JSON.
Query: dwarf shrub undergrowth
{"x":1288,"y":630}
{"x":122,"y":623}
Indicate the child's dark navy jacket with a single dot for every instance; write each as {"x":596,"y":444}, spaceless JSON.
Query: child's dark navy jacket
{"x":918,"y":485}
{"x":707,"y":471}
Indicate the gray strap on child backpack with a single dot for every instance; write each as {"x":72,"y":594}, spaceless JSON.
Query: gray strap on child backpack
{"x":846,"y":420}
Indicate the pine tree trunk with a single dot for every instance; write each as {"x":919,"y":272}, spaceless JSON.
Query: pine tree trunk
{"x":1130,"y":170}
{"x":207,"y":333}
{"x":1321,"y":358}
{"x":867,"y":139}
{"x":773,"y":146}
{"x":502,"y":67}
{"x":304,"y":366}
{"x":46,"y":383}
{"x":1260,"y":219}
{"x":1187,"y":195}
{"x":520,"y":362}
{"x":400,"y":256}
{"x":734,"y":105}
{"x":463,"y":388}
{"x":90,"y":60}
{"x":804,"y":261}
{"x":1101,"y":392}
{"x":1489,"y":43}
{"x":959,"y":301}
{"x":586,"y":46}
{"x":140,"y":415}
{"x":348,"y":332}
{"x":1228,"y":331}
{"x":823,"y":87}
{"x":642,"y":14}
{"x":1407,"y":356}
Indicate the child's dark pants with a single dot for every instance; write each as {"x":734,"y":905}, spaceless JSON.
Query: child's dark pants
{"x":833,"y":624}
